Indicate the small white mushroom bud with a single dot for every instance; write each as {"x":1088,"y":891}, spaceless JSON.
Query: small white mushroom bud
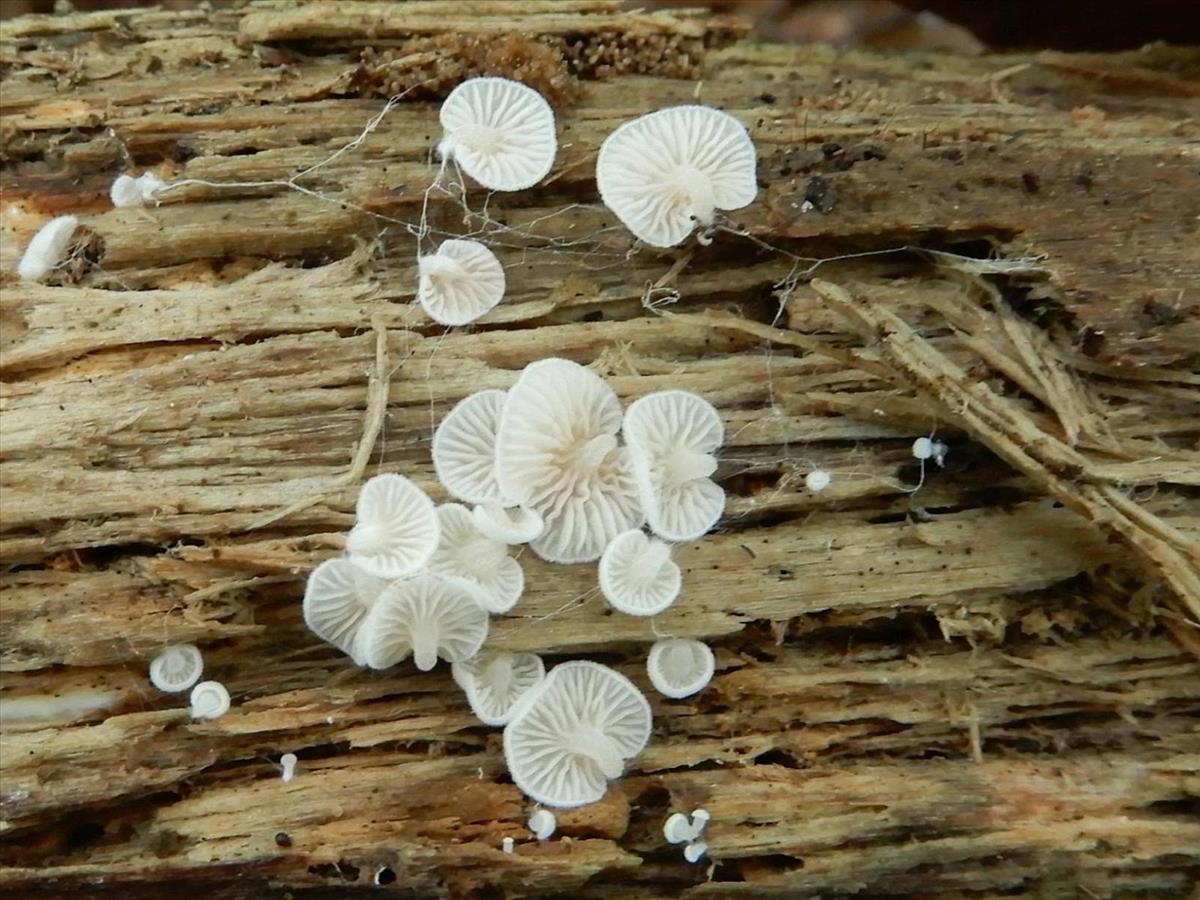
{"x":288,"y":762}
{"x":817,"y":480}
{"x":694,"y":851}
{"x":209,"y":700}
{"x":543,"y":824}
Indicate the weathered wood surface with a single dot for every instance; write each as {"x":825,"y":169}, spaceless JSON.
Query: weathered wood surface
{"x":985,"y":685}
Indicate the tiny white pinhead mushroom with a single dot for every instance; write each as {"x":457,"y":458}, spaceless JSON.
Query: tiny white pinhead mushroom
{"x":543,"y":824}
{"x":508,"y":845}
{"x":512,"y":525}
{"x":673,"y":437}
{"x":501,"y":133}
{"x":922,"y":448}
{"x":465,"y":552}
{"x":680,"y":667}
{"x":677,"y":829}
{"x":337,"y":597}
{"x":177,"y":668}
{"x":460,"y":282}
{"x":557,"y":453}
{"x":817,"y":480}
{"x":694,"y":851}
{"x":668,"y":171}
{"x":288,"y":763}
{"x":209,"y":700}
{"x":494,"y":682}
{"x":47,"y":248}
{"x":573,"y":732}
{"x":637,"y":574}
{"x":129,"y":191}
{"x":396,"y":528}
{"x":427,"y":616}
{"x":464,"y":448}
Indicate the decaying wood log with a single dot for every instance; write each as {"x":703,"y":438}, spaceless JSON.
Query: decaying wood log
{"x":966,"y":681}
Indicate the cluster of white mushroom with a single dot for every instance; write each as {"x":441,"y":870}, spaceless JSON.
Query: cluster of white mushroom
{"x":178,"y":668}
{"x":680,"y":829}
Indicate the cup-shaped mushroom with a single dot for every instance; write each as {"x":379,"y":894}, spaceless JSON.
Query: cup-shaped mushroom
{"x":668,"y":171}
{"x":395,"y":530}
{"x":543,"y":824}
{"x":557,"y":453}
{"x":494,"y":682}
{"x":460,"y":282}
{"x":48,"y":248}
{"x":500,"y":132}
{"x":464,"y":448}
{"x":177,"y":668}
{"x":512,"y":525}
{"x":680,"y":667}
{"x":678,"y":829}
{"x":465,"y":552}
{"x":209,"y":700}
{"x":574,"y":732}
{"x":337,"y":598}
{"x":637,"y":574}
{"x":427,"y":616}
{"x":673,"y":438}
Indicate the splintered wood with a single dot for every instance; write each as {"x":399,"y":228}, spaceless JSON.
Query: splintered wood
{"x":973,"y":680}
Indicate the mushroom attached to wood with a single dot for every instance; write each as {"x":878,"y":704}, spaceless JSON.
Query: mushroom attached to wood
{"x":396,"y":528}
{"x":637,"y":574}
{"x":48,"y":248}
{"x":427,"y":616}
{"x":494,"y":682}
{"x":464,"y":448}
{"x":512,"y":525}
{"x":680,"y":667}
{"x":209,"y":700}
{"x":460,"y":282}
{"x":177,"y":668}
{"x":337,"y":598}
{"x":466,"y":553}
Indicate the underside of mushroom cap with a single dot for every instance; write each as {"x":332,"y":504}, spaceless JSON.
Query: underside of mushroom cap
{"x":337,"y":598}
{"x":638,"y":576}
{"x":459,"y":283}
{"x":680,"y":667}
{"x":572,"y":733}
{"x":501,"y":133}
{"x":512,"y":525}
{"x":557,"y":453}
{"x":427,"y":616}
{"x":466,"y":553}
{"x":494,"y":682}
{"x":464,"y":448}
{"x":396,"y":528}
{"x":668,"y":171}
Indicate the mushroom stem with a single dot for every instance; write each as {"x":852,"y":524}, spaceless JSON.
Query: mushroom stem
{"x":686,"y":465}
{"x":698,"y":188}
{"x":653,"y":558}
{"x":424,"y":645}
{"x":601,"y":750}
{"x":364,"y":539}
{"x":595,"y":451}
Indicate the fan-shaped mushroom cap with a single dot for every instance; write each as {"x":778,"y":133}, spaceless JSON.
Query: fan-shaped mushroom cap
{"x":573,"y":732}
{"x":494,"y":682}
{"x":177,"y":668}
{"x":500,"y":131}
{"x":466,"y":553}
{"x":637,"y":574}
{"x":678,"y":830}
{"x":460,"y":282}
{"x":209,"y":700}
{"x":543,"y":824}
{"x":672,"y":437}
{"x":47,"y":248}
{"x":694,"y":851}
{"x":513,"y":525}
{"x":680,"y":667}
{"x":427,"y":616}
{"x":464,"y":448}
{"x":666,"y":171}
{"x":557,"y":453}
{"x":337,"y":598}
{"x":129,"y":191}
{"x":396,"y":528}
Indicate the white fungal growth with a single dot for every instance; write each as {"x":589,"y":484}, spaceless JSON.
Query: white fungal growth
{"x":48,"y":248}
{"x":668,"y":171}
{"x":464,"y":448}
{"x":543,"y":824}
{"x":512,"y":525}
{"x":557,"y":454}
{"x":922,"y":448}
{"x":508,"y":845}
{"x":680,"y":667}
{"x":337,"y":598}
{"x":494,"y":682}
{"x":465,"y":552}
{"x":637,"y":574}
{"x":573,"y":733}
{"x":209,"y":700}
{"x":500,"y":132}
{"x":129,"y":191}
{"x":427,"y":616}
{"x":396,"y":528}
{"x":673,"y":438}
{"x":288,"y":763}
{"x":695,"y":851}
{"x":459,"y":283}
{"x":817,"y":480}
{"x":177,"y":668}
{"x":677,"y":829}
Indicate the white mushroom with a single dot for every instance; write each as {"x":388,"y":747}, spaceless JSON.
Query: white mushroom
{"x":465,"y":552}
{"x":817,"y":480}
{"x":508,"y":845}
{"x":177,"y":668}
{"x":460,"y":282}
{"x":494,"y":682}
{"x":500,"y":132}
{"x":637,"y":574}
{"x":287,"y":763}
{"x":543,"y":824}
{"x":513,"y":525}
{"x":396,"y":528}
{"x":673,"y":437}
{"x":557,"y":453}
{"x":209,"y":700}
{"x":667,"y":171}
{"x":677,"y":829}
{"x":574,"y":732}
{"x":129,"y":191}
{"x":427,"y":616}
{"x":694,"y":851}
{"x":464,"y":448}
{"x":680,"y":667}
{"x":47,"y":248}
{"x":337,"y":598}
